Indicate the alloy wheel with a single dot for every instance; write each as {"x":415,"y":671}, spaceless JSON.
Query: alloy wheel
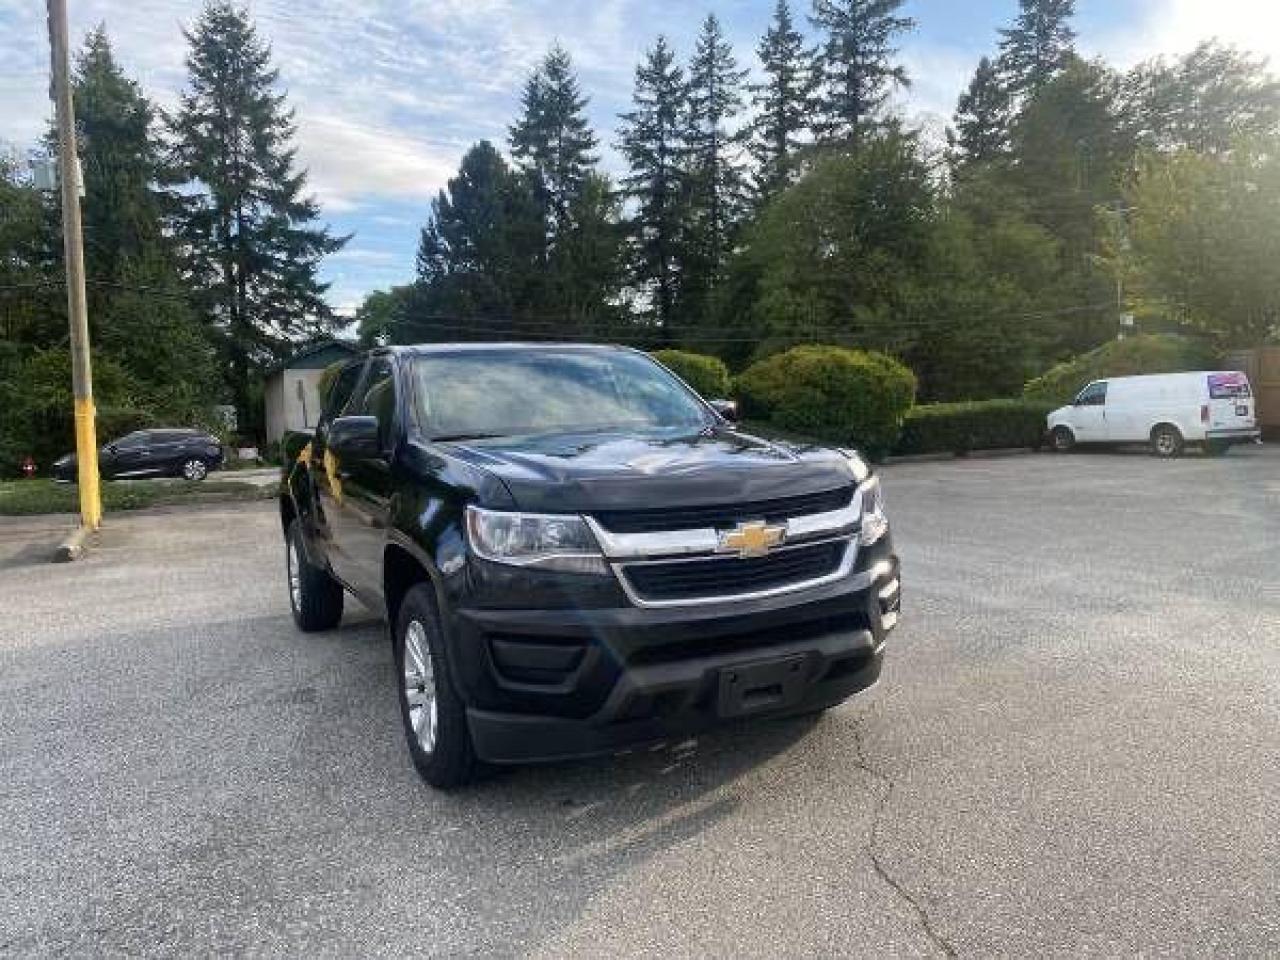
{"x":195,"y":470}
{"x":420,"y":685}
{"x":295,"y":576}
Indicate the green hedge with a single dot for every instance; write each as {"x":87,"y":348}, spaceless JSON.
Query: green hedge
{"x":1145,"y":353}
{"x":832,"y":393}
{"x":980,"y":425}
{"x":707,"y":375}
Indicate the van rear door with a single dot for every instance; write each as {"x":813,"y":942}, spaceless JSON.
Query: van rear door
{"x":1231,"y":403}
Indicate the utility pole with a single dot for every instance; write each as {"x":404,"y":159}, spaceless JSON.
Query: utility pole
{"x":73,"y":246}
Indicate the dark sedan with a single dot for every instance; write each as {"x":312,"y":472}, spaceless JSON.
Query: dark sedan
{"x":162,"y":452}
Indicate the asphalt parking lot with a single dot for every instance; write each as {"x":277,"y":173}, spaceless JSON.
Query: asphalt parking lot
{"x":1073,"y":751}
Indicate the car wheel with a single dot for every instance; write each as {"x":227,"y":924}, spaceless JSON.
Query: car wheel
{"x":1216,"y":448}
{"x":435,"y":720}
{"x":1166,"y":441}
{"x":1062,"y":439}
{"x":314,"y":596}
{"x":194,"y":469}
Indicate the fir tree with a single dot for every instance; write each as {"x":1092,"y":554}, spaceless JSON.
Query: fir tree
{"x":857,"y":65}
{"x":784,"y":103}
{"x":138,"y":305}
{"x":1036,"y":48}
{"x":251,"y":229}
{"x":651,"y":140}
{"x":552,"y":141}
{"x":981,"y":131}
{"x":716,"y":181}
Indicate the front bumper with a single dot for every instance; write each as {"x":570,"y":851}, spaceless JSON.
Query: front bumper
{"x":557,"y":684}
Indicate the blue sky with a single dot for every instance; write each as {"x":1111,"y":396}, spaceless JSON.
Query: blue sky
{"x":390,"y":93}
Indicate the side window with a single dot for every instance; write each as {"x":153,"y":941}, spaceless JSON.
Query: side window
{"x":343,"y":387}
{"x":1094,"y":395}
{"x":380,"y":400}
{"x":139,"y":439}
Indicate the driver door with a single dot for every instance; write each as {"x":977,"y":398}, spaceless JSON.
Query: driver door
{"x":1089,"y":418}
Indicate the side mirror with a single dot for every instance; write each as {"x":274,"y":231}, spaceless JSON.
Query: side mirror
{"x":355,"y":437}
{"x":728,"y":409}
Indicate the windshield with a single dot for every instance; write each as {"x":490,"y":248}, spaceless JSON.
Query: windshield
{"x":516,"y":392}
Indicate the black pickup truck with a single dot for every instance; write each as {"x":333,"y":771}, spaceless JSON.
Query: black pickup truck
{"x":577,"y":554}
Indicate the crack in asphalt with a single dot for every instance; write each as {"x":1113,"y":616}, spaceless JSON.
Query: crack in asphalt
{"x":926,"y":924}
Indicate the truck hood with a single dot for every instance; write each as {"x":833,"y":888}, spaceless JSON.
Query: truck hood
{"x":598,"y":471}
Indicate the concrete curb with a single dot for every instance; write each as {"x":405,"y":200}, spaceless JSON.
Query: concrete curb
{"x":971,"y":455}
{"x":73,"y":545}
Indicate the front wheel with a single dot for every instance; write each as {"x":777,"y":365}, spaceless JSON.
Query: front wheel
{"x":194,"y":469}
{"x":435,"y":720}
{"x":1166,"y":441}
{"x":1062,"y":439}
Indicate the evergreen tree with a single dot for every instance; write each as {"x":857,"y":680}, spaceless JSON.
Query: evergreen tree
{"x":255,"y":246}
{"x":552,"y":141}
{"x":857,"y":65}
{"x":716,"y":181}
{"x":652,"y":141}
{"x":1207,"y":101}
{"x":784,"y":102}
{"x":1036,"y":48}
{"x":981,"y":132}
{"x":482,"y":256}
{"x":138,"y":305}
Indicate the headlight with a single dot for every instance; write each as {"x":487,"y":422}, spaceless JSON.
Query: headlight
{"x":875,"y":524}
{"x":544,"y":541}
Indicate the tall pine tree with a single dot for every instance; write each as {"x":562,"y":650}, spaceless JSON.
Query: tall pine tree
{"x":138,"y":305}
{"x":250,"y":228}
{"x":716,"y":180}
{"x":1037,"y":47}
{"x":482,"y":257}
{"x":651,"y":139}
{"x":981,"y":132}
{"x":784,"y":102}
{"x":858,"y":64}
{"x":552,"y":141}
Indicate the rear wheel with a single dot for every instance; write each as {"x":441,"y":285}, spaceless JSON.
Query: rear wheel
{"x":1166,"y":441}
{"x":435,"y":720}
{"x":194,"y":469}
{"x":1062,"y":439}
{"x":314,"y":596}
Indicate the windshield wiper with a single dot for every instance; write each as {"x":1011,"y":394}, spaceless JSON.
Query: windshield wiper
{"x":460,"y":437}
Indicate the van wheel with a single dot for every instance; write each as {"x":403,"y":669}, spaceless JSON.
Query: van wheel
{"x":314,"y":596}
{"x":1216,"y":448}
{"x":1166,"y":441}
{"x":1062,"y":440}
{"x":435,"y":720}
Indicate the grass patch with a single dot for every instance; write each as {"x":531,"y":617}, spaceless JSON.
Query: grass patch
{"x":30,"y":497}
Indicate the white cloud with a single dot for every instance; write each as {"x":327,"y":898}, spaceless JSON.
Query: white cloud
{"x":1172,"y":27}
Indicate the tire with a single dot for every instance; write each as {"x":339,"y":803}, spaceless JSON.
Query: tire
{"x":1216,"y":448}
{"x":193,"y":468}
{"x":1062,"y":440}
{"x":314,"y":596}
{"x":433,"y":714}
{"x":1167,"y":442}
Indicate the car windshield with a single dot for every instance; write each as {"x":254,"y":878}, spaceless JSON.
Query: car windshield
{"x":521,"y":391}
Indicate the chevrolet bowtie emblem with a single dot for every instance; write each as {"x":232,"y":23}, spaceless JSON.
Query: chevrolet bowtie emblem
{"x":753,"y":539}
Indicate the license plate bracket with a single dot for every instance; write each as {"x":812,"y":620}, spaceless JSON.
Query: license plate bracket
{"x":1242,"y":410}
{"x":761,"y":686}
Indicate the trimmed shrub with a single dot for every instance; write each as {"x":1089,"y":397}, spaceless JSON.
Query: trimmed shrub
{"x":831,"y":393}
{"x":1145,"y":353}
{"x":707,"y":375}
{"x":978,"y":425}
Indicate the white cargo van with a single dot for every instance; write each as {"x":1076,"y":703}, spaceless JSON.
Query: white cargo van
{"x":1168,"y":411}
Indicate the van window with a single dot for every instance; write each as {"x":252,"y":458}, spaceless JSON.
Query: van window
{"x":1228,"y":386}
{"x":1094,"y":395}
